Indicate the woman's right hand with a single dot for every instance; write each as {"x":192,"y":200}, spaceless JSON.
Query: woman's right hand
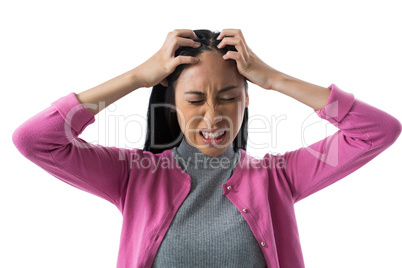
{"x":155,"y":70}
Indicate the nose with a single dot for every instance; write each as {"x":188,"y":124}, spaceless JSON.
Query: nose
{"x":212,"y":115}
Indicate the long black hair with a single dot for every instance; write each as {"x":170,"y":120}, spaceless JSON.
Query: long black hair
{"x":163,"y":130}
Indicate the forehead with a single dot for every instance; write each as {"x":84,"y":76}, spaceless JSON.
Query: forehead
{"x":212,"y":72}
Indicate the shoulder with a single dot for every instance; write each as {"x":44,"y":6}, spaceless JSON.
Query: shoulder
{"x":268,"y":161}
{"x":149,"y":161}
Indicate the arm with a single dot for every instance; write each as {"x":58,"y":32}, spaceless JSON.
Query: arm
{"x":50,"y":140}
{"x":101,"y":96}
{"x":152,"y":72}
{"x":312,"y":95}
{"x":364,"y":132}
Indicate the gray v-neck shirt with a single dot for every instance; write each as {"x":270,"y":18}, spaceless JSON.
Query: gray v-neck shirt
{"x":208,"y":230}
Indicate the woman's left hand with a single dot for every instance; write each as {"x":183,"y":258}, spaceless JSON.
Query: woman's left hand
{"x":248,"y":63}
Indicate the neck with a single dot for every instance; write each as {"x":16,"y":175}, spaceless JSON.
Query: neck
{"x":194,"y":156}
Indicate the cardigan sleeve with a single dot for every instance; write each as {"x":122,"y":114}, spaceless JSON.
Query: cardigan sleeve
{"x":50,"y":140}
{"x":363,"y":133}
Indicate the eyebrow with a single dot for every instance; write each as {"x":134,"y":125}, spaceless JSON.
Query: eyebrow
{"x":202,"y":93}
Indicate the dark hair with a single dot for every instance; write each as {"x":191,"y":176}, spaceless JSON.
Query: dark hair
{"x":165,"y":131}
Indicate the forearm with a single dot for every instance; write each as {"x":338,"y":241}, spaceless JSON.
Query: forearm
{"x":101,"y":96}
{"x":312,"y":95}
{"x":364,"y":131}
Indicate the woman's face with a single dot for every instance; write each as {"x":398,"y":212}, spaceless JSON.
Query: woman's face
{"x":201,"y":104}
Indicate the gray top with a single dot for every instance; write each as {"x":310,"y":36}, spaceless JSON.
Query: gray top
{"x":208,"y":230}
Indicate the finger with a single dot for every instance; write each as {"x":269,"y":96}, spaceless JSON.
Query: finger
{"x":182,"y":38}
{"x":230,"y":32}
{"x":185,"y":42}
{"x":184,"y":60}
{"x":232,"y":55}
{"x":185,"y":33}
{"x":236,"y":42}
{"x":240,"y":62}
{"x":226,"y":32}
{"x":164,"y":82}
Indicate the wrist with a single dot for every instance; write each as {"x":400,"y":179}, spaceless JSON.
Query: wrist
{"x":275,"y":80}
{"x":135,"y":79}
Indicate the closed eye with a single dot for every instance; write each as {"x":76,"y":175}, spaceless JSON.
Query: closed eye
{"x":195,"y":102}
{"x":229,"y":99}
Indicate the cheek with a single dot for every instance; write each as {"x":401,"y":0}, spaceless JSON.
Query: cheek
{"x":188,"y":121}
{"x":182,"y":115}
{"x":235,"y":113}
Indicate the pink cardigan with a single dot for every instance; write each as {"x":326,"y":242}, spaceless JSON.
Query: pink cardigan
{"x":148,"y":188}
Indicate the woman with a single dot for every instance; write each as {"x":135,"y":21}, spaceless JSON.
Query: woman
{"x":193,"y":196}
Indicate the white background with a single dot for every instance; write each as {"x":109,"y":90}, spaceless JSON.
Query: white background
{"x":52,"y":48}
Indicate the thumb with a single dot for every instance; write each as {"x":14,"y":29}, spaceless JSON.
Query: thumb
{"x":164,"y":82}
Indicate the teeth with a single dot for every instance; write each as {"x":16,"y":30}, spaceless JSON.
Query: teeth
{"x":209,"y":135}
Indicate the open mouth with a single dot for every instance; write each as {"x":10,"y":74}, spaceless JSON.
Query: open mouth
{"x":207,"y":138}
